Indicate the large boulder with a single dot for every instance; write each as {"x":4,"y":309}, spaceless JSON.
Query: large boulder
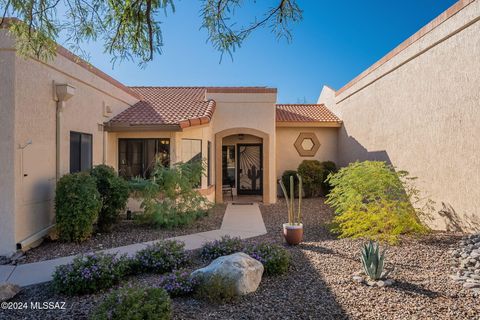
{"x":8,"y":291}
{"x":242,"y":269}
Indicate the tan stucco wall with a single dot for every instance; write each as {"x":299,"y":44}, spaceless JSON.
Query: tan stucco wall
{"x":35,"y":109}
{"x":420,"y":111}
{"x":288,"y":158}
{"x":249,"y":110}
{"x":8,"y":166}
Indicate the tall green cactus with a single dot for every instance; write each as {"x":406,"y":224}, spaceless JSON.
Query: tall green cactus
{"x":294,"y":218}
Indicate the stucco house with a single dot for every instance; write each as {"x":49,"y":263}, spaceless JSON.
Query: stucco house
{"x":417,"y":108}
{"x":66,"y":116}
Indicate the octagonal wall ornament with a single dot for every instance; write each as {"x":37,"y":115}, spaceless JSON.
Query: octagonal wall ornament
{"x":307,"y":144}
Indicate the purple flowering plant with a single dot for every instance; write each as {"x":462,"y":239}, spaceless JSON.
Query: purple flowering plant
{"x":90,"y":273}
{"x":161,"y":257}
{"x":223,"y":247}
{"x":275,"y":258}
{"x":179,"y":283}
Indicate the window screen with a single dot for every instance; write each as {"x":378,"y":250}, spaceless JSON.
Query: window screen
{"x":191,"y":150}
{"x":209,"y":164}
{"x":137,"y":157}
{"x":80,"y":151}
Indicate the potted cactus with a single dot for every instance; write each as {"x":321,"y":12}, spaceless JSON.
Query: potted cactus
{"x":293,"y":230}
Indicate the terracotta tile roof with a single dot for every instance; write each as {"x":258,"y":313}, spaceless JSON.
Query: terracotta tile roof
{"x":170,"y":106}
{"x":305,"y":113}
{"x":179,"y":107}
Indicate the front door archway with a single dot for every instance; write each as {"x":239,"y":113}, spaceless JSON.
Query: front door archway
{"x":263,"y":182}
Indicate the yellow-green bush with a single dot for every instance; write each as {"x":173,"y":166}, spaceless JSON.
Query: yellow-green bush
{"x":372,"y":200}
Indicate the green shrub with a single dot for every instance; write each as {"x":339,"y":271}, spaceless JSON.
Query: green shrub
{"x":275,"y":259}
{"x":170,"y":198}
{"x":374,"y":201}
{"x":135,"y":303}
{"x":161,"y":257}
{"x":91,"y":273}
{"x":223,"y":247}
{"x":329,"y":167}
{"x":216,"y":289}
{"x":114,"y":193}
{"x":286,"y":180}
{"x":77,"y":203}
{"x":312,"y":174}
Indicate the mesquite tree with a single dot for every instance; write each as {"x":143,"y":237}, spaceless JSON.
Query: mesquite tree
{"x":131,"y":29}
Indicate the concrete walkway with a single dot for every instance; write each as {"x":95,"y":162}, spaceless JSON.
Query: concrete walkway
{"x":240,"y":220}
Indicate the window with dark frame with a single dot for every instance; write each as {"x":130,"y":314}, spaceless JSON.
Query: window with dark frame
{"x":81,"y":151}
{"x":209,"y":164}
{"x":137,"y":157}
{"x":192,"y":152}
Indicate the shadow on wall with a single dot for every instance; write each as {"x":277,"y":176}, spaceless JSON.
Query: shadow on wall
{"x":356,"y":151}
{"x":453,"y":222}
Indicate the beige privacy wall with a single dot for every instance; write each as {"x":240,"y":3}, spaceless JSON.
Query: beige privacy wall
{"x":287,"y":157}
{"x":419,"y":108}
{"x":27,"y":113}
{"x":8,"y":166}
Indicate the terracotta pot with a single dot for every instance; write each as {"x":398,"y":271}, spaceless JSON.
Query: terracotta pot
{"x":293,"y":233}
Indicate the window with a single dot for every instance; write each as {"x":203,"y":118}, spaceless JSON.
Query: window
{"x":192,"y":152}
{"x":209,"y":164}
{"x":137,"y":157}
{"x":80,"y":151}
{"x":228,"y":165}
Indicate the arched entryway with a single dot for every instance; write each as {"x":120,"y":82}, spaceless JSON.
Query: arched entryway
{"x":257,"y":149}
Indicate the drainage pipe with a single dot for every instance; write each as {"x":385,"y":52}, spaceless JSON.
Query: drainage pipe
{"x":63,"y":92}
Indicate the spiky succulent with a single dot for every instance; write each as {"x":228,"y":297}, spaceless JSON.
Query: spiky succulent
{"x":373,"y":261}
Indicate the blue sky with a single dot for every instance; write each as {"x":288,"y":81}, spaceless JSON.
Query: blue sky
{"x":335,"y":42}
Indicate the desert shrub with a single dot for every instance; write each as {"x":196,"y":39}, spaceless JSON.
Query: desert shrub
{"x":114,"y":193}
{"x":170,"y":198}
{"x":312,"y":175}
{"x":135,"y":303}
{"x":275,"y":259}
{"x":374,"y":201}
{"x":161,"y":257}
{"x":329,"y":167}
{"x":77,"y":203}
{"x":223,"y":247}
{"x":286,"y":180}
{"x":91,"y":273}
{"x":179,"y":283}
{"x":216,"y":288}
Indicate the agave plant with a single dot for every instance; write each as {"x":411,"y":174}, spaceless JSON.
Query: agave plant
{"x":294,"y":218}
{"x":373,"y":261}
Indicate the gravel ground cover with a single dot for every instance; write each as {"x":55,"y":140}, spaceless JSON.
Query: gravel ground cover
{"x":124,"y":233}
{"x":319,"y":284}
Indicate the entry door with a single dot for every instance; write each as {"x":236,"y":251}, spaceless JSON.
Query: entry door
{"x":249,"y":169}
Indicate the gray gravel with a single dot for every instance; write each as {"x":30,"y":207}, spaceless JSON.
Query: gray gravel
{"x":319,"y":284}
{"x":124,"y":233}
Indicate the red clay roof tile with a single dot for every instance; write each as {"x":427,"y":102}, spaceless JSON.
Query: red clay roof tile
{"x":181,"y":106}
{"x":305,"y":113}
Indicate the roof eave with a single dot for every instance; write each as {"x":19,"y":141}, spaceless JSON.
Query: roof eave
{"x":122,"y":127}
{"x":311,"y":124}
